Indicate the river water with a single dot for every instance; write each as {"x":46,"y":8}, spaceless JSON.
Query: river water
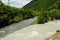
{"x":35,"y":32}
{"x":16,"y":26}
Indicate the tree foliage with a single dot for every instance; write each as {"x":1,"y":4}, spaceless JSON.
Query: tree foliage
{"x":49,"y":15}
{"x":10,"y":15}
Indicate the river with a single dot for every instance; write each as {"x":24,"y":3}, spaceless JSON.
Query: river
{"x":16,"y":26}
{"x":35,"y":32}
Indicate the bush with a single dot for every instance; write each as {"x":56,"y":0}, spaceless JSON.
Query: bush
{"x":42,"y":18}
{"x":58,"y":31}
{"x":48,"y":15}
{"x":17,"y":19}
{"x":3,"y":20}
{"x":54,"y":14}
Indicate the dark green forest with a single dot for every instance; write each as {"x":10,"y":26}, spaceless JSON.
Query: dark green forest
{"x":46,"y":10}
{"x":9,"y":15}
{"x":40,"y":5}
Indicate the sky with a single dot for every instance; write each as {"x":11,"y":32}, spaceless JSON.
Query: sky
{"x":17,"y":3}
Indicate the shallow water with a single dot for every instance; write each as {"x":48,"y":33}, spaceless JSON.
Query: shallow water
{"x":14,"y":27}
{"x":35,"y":32}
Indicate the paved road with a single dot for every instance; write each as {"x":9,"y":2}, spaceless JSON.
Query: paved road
{"x":35,"y":32}
{"x":14,"y":27}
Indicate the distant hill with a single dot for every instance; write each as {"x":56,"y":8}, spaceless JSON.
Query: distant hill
{"x":40,"y":5}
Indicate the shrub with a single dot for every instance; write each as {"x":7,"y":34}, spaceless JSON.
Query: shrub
{"x":54,"y":13}
{"x":17,"y":19}
{"x":3,"y":20}
{"x":42,"y":18}
{"x":49,"y":15}
{"x":58,"y":31}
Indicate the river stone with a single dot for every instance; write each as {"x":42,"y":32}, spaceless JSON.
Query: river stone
{"x":35,"y":32}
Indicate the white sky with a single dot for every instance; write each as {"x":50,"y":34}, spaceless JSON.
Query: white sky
{"x":17,"y":3}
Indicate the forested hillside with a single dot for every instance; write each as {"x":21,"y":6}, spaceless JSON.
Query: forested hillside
{"x":40,"y":5}
{"x":46,"y":9}
{"x":9,"y":15}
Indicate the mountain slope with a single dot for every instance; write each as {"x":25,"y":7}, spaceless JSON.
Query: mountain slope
{"x":39,"y":5}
